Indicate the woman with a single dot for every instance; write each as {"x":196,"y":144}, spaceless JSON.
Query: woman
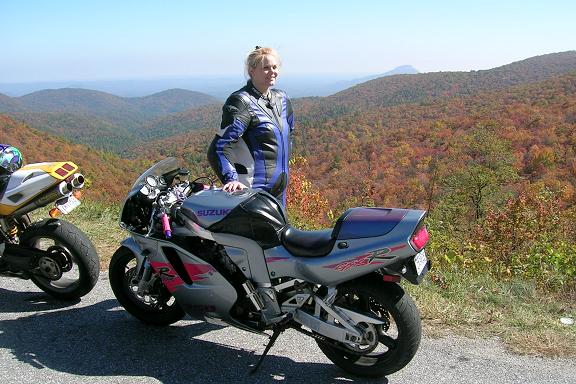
{"x":252,"y":147}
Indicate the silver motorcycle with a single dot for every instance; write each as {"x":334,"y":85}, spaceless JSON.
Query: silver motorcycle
{"x":233,"y":259}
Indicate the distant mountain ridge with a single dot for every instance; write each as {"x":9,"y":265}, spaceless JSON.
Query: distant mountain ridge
{"x":102,"y":103}
{"x":95,"y":118}
{"x":297,"y":85}
{"x":401,"y":70}
{"x":425,"y":87}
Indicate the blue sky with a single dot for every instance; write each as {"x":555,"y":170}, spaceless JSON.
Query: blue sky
{"x":56,"y":40}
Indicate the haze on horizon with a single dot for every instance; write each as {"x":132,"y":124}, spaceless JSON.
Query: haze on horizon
{"x":65,"y":40}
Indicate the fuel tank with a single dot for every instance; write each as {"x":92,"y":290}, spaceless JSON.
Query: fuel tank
{"x":250,"y":213}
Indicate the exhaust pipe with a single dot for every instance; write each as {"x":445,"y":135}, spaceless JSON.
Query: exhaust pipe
{"x":77,"y":181}
{"x":49,"y":196}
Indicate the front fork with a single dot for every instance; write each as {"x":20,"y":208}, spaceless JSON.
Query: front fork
{"x":144,"y":276}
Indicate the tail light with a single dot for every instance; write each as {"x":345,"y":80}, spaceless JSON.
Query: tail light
{"x":419,"y":238}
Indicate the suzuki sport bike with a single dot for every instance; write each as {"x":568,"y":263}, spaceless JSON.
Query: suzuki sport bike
{"x":53,"y":253}
{"x":233,"y":259}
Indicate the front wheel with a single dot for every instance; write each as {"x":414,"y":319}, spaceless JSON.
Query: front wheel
{"x":392,"y":345}
{"x":72,"y":269}
{"x":155,"y":307}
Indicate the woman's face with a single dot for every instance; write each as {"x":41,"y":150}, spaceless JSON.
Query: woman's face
{"x":265,"y":74}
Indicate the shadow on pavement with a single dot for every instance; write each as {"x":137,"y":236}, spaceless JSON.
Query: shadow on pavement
{"x":103,"y":340}
{"x":11,"y":301}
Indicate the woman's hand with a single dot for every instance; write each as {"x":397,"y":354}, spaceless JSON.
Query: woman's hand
{"x":232,"y":186}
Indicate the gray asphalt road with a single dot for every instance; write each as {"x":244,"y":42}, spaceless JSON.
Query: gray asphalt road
{"x":95,"y":341}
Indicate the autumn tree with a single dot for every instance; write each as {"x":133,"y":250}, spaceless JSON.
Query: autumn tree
{"x":480,"y":165}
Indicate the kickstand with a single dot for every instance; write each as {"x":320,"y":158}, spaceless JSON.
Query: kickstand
{"x":277,"y":330}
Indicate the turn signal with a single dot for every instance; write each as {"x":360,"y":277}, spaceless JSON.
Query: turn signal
{"x":54,"y":212}
{"x":77,"y":194}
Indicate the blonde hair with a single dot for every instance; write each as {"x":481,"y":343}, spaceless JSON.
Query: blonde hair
{"x":257,"y":56}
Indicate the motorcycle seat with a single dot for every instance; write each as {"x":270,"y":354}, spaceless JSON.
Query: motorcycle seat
{"x":308,"y":243}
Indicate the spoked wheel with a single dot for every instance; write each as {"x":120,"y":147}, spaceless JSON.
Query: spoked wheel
{"x":155,"y":307}
{"x":385,"y":348}
{"x":71,"y":267}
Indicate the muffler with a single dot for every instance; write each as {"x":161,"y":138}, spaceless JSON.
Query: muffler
{"x":49,"y":196}
{"x":77,"y":181}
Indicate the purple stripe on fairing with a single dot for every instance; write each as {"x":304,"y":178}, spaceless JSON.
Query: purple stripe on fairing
{"x":369,"y":222}
{"x":274,"y":259}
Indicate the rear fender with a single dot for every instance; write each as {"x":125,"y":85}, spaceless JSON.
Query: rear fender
{"x":375,"y":279}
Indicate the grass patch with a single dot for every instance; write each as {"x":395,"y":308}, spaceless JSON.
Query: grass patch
{"x":525,"y":317}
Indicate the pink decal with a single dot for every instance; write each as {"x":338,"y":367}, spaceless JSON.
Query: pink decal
{"x":196,"y":270}
{"x":358,"y":261}
{"x":273,"y":259}
{"x":374,"y":257}
{"x":169,"y":277}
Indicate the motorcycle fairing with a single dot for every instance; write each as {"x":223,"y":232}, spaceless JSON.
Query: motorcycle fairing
{"x":199,"y":288}
{"x":23,"y":186}
{"x":58,"y":170}
{"x":349,"y":258}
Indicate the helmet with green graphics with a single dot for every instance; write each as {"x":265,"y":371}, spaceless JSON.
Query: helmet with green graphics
{"x":10,"y":159}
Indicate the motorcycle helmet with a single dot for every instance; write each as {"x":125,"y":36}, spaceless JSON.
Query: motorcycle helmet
{"x":10,"y":160}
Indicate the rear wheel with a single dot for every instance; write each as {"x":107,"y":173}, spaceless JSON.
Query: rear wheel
{"x":72,"y":267}
{"x":388,"y":347}
{"x":156,"y":307}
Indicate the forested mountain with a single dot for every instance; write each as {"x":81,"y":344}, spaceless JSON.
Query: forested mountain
{"x":393,"y":155}
{"x":9,"y":104}
{"x":400,"y":154}
{"x":390,"y":91}
{"x":429,"y":87}
{"x":76,"y":100}
{"x":108,"y":176}
{"x":98,"y":119}
{"x":204,"y":117}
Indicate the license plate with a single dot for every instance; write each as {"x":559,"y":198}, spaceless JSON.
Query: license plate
{"x":69,"y":205}
{"x":420,"y":261}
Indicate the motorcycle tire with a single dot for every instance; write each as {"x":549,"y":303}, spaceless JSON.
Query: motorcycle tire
{"x":79,"y":264}
{"x":398,"y":339}
{"x":159,"y":308}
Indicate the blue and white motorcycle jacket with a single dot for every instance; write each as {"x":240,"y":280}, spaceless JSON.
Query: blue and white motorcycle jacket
{"x":253,"y":143}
